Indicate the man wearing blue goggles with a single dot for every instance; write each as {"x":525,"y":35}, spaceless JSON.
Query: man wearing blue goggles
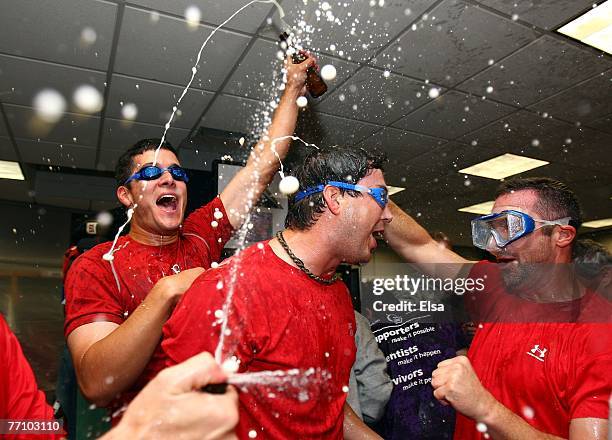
{"x":507,"y":226}
{"x":379,"y":194}
{"x":153,"y":172}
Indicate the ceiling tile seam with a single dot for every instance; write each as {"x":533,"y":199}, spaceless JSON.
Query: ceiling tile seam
{"x":494,"y":66}
{"x":182,"y":18}
{"x":52,"y":63}
{"x":109,"y":78}
{"x":551,"y":33}
{"x":579,"y":83}
{"x":384,"y":47}
{"x":29,"y":176}
{"x":158,"y":82}
{"x":233,"y":70}
{"x":65,"y":113}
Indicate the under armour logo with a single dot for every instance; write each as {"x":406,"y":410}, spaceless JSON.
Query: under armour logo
{"x":537,"y":352}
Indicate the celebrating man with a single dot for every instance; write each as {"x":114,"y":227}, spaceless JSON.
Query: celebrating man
{"x":288,"y":311}
{"x":539,"y":365}
{"x":119,"y":295}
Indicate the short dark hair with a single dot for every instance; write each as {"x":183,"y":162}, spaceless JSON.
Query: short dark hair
{"x":123,"y":169}
{"x":555,"y":199}
{"x":344,"y":164}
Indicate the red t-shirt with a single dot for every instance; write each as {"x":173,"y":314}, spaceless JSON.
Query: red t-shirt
{"x":94,"y":294}
{"x":20,"y":397}
{"x":548,"y":372}
{"x":280,"y":319}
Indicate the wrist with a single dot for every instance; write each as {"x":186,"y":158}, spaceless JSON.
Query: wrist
{"x":491,"y":409}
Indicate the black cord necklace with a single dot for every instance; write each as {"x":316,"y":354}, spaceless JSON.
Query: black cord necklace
{"x":300,"y":264}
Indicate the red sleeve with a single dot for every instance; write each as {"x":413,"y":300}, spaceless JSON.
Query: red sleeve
{"x":21,"y":398}
{"x":215,"y":235}
{"x":590,"y":385}
{"x":91,"y":293}
{"x":194,"y":326}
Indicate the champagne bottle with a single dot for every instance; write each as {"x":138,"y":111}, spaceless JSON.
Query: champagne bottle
{"x":314,"y":83}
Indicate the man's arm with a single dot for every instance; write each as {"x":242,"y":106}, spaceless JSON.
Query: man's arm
{"x":456,"y":383}
{"x":353,"y":427}
{"x":414,"y":244}
{"x":108,"y":357}
{"x":171,"y":405}
{"x":246,"y":187}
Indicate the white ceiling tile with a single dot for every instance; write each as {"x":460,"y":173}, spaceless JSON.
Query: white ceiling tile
{"x":539,"y":70}
{"x":51,"y":30}
{"x":258,"y":75}
{"x":357,"y":41}
{"x":17,"y":190}
{"x":7,"y":151}
{"x":26,"y":125}
{"x":23,"y":79}
{"x":326,"y":130}
{"x":581,"y":102}
{"x":119,"y":134}
{"x":399,"y":144}
{"x":453,"y":114}
{"x":165,"y":50}
{"x":103,"y":205}
{"x":547,"y":14}
{"x":372,"y":97}
{"x":456,"y":41}
{"x":108,"y":158}
{"x":52,"y":153}
{"x":234,"y":114}
{"x":215,"y":12}
{"x":64,"y":202}
{"x":74,"y":186}
{"x":155,"y":101}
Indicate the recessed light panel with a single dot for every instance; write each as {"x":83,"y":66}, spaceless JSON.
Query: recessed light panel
{"x":503,"y":166}
{"x":483,"y":208}
{"x":593,"y":28}
{"x":10,"y":170}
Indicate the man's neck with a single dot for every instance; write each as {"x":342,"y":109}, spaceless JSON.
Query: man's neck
{"x":142,"y":236}
{"x":310,"y":246}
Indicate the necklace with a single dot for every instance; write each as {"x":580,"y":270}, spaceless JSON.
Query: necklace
{"x":300,"y":264}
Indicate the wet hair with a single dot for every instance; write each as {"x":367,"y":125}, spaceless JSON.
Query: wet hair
{"x":125,"y":163}
{"x":555,"y":199}
{"x":343,"y":164}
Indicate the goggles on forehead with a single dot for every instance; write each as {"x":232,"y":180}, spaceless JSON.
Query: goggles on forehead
{"x":152,"y":172}
{"x":380,"y":195}
{"x":507,"y":226}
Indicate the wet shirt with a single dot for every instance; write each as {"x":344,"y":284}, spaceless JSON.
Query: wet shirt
{"x":549,"y":372}
{"x":95,"y":293}
{"x":20,"y":397}
{"x":279,"y":319}
{"x":413,"y":350}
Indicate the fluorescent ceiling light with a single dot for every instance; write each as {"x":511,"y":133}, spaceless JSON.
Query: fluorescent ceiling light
{"x":593,"y":28}
{"x":483,"y":208}
{"x":10,"y":170}
{"x":503,"y":166}
{"x":598,"y":223}
{"x":394,"y":189}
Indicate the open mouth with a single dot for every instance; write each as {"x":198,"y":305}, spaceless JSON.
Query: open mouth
{"x":167,"y":203}
{"x":505,"y":259}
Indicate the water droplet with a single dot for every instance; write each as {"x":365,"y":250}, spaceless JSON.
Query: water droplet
{"x":88,"y":99}
{"x":49,"y":105}
{"x":481,"y":427}
{"x":289,"y":185}
{"x":434,"y":93}
{"x":535,"y":143}
{"x":193,"y":15}
{"x":528,"y":412}
{"x":490,"y":89}
{"x":214,"y":223}
{"x":301,"y":101}
{"x":129,"y":111}
{"x":88,"y":36}
{"x":328,"y":72}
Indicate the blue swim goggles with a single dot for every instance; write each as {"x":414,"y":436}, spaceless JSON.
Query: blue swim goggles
{"x":380,"y":195}
{"x":152,"y":172}
{"x":507,"y":226}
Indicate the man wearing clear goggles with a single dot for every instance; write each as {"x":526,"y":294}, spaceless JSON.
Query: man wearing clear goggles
{"x":525,"y":379}
{"x":507,"y":226}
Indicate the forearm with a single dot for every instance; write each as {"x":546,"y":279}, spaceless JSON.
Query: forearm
{"x":112,"y":365}
{"x":354,"y":428}
{"x":404,"y":233}
{"x":503,"y":424}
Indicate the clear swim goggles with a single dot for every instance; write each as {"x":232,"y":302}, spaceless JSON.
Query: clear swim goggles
{"x":380,"y":195}
{"x":507,"y":226}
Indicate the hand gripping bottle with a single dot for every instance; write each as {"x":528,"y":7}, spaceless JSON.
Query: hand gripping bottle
{"x":314,"y":83}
